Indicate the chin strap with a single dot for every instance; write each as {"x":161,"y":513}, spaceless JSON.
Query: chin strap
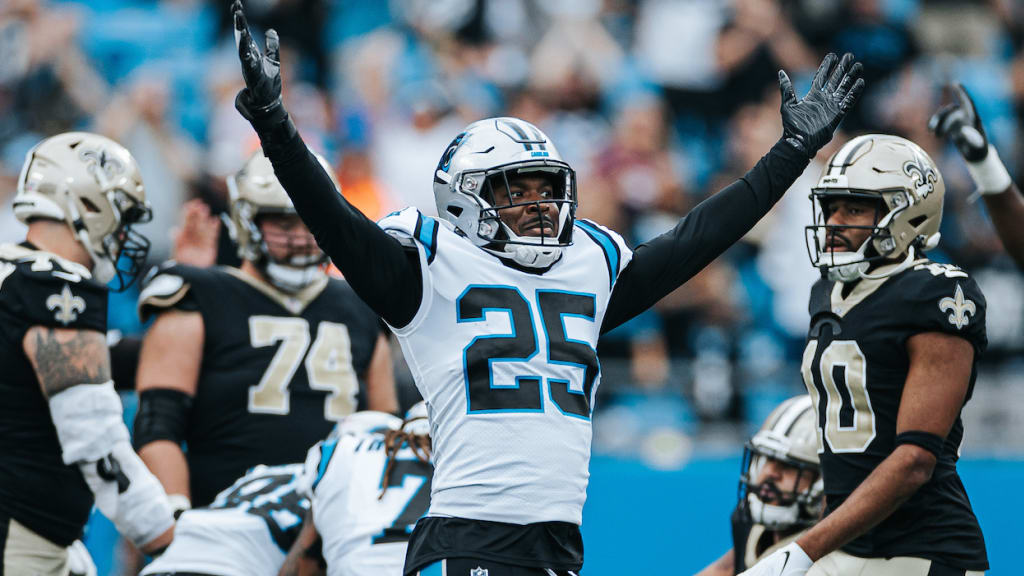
{"x":533,"y":256}
{"x":907,"y":262}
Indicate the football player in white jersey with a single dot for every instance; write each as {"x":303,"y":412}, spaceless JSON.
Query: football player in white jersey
{"x":246,"y":531}
{"x":499,"y":304}
{"x":368,"y":485}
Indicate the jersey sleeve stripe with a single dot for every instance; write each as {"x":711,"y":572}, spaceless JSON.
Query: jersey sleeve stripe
{"x":326,"y":451}
{"x":608,"y":247}
{"x":426,"y":233}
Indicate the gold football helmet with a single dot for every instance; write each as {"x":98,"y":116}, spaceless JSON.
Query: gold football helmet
{"x":255,"y":191}
{"x":790,"y":436}
{"x":93,"y":184}
{"x":903,"y":178}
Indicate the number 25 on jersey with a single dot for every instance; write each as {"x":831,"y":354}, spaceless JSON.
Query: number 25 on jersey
{"x":526,"y":394}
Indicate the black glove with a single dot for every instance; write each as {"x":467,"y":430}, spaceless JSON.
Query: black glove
{"x":960,"y":123}
{"x":808,"y":123}
{"x":260,"y":100}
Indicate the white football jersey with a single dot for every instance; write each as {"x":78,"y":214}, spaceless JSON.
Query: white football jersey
{"x":246,"y":531}
{"x":506,"y":361}
{"x":365,"y":530}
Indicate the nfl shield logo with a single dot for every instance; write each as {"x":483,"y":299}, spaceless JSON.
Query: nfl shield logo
{"x":478,"y":571}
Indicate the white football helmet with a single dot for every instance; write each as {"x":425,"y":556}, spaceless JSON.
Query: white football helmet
{"x":487,"y":153}
{"x":92,"y":184}
{"x":790,"y":436}
{"x":365,"y":422}
{"x":417,"y":420}
{"x":903,"y":179}
{"x":254,"y":191}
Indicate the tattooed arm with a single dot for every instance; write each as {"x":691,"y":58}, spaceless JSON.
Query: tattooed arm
{"x":73,"y":369}
{"x":66,"y":357}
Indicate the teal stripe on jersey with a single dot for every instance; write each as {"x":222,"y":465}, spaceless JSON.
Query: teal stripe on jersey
{"x":608,"y":246}
{"x":326,"y":451}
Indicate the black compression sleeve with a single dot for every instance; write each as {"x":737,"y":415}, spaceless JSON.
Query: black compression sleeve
{"x":380,"y":270}
{"x":666,"y":262}
{"x":163,"y":415}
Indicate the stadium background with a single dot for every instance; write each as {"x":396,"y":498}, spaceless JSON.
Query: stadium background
{"x":656,"y":103}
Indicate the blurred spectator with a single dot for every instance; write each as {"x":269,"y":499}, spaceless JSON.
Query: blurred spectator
{"x":46,"y":84}
{"x":883,"y":42}
{"x":757,"y":41}
{"x":675,"y":43}
{"x":137,"y":117}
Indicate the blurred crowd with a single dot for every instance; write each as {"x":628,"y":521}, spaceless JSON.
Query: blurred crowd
{"x":656,"y":103}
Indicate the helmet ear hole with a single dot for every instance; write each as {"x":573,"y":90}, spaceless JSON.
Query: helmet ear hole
{"x":90,"y":205}
{"x":455,"y":211}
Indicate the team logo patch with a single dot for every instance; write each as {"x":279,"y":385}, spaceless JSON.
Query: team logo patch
{"x":68,"y":306}
{"x":478,"y":571}
{"x":959,"y":308}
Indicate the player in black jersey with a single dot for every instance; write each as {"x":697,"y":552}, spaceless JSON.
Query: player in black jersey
{"x":780,"y":491}
{"x":890,"y":362}
{"x":63,"y":443}
{"x":252,"y":365}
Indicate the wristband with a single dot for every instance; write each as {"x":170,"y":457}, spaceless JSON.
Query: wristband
{"x":989,"y":175}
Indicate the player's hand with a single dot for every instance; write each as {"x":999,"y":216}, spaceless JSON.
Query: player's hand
{"x":790,"y":560}
{"x":808,"y":123}
{"x":260,"y":100}
{"x":959,"y":122}
{"x":195,"y":241}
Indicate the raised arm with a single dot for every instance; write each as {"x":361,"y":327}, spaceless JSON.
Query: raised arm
{"x":666,"y":262}
{"x":384,"y":273}
{"x":959,"y":123}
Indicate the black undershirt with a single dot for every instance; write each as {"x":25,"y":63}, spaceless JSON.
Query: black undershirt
{"x":386,"y":274}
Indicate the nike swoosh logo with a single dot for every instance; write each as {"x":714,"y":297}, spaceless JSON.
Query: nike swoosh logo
{"x":784,"y":562}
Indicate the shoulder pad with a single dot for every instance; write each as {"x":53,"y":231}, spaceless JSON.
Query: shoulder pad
{"x":165,"y":287}
{"x":412,"y":223}
{"x":946,"y":299}
{"x":405,"y":240}
{"x":46,"y":290}
{"x":616,"y":254}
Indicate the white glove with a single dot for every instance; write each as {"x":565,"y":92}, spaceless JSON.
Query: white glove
{"x":79,"y":561}
{"x":790,"y":560}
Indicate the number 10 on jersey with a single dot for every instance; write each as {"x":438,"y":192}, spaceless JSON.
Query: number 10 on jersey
{"x":526,"y":394}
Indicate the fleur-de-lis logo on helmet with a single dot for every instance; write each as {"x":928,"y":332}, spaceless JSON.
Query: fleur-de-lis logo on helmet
{"x":100,"y":160}
{"x":959,"y":308}
{"x":924,"y":176}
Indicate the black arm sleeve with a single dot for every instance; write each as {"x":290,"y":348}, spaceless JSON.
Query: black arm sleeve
{"x":666,"y":262}
{"x":385,"y":274}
